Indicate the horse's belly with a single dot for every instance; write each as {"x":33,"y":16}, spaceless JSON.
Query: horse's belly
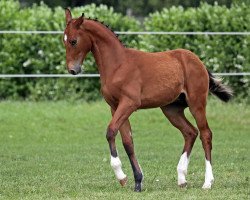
{"x":163,"y":81}
{"x":160,"y":95}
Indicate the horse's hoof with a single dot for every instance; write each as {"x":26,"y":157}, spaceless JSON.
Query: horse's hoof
{"x":137,"y":187}
{"x":124,"y":181}
{"x":207,"y":186}
{"x":183,"y":185}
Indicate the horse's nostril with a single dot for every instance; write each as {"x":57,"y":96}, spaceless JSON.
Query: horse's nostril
{"x":73,"y":72}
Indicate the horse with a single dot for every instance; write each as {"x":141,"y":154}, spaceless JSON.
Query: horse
{"x":131,"y":79}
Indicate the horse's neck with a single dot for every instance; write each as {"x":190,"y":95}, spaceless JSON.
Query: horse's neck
{"x":108,"y":52}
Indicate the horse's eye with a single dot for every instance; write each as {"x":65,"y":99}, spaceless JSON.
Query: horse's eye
{"x":73,"y":42}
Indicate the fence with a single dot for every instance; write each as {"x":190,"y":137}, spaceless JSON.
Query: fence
{"x":119,"y":33}
{"x":133,"y":33}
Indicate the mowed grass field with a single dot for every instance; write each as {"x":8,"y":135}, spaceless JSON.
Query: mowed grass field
{"x":58,"y":150}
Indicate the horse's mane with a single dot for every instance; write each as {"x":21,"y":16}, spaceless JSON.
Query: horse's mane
{"x":106,"y":26}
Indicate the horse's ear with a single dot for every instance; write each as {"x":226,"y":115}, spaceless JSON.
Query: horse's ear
{"x":68,"y":16}
{"x":79,"y":21}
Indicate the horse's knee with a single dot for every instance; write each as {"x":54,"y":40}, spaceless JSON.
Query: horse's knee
{"x":194,"y":133}
{"x":206,"y":138}
{"x":110,"y":135}
{"x":190,"y":133}
{"x":206,"y":134}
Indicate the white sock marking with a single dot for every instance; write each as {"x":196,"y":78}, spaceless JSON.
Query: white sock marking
{"x":65,"y":38}
{"x":182,"y":168}
{"x":209,"y":178}
{"x":117,"y":167}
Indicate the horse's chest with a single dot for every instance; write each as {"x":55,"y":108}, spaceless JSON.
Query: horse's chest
{"x":110,"y":94}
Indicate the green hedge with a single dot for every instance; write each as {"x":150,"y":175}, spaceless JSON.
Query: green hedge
{"x":223,"y":53}
{"x":26,"y":54}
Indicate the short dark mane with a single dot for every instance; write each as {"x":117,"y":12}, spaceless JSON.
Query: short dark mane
{"x":106,"y":26}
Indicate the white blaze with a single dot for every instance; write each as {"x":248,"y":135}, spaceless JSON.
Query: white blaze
{"x":117,"y":167}
{"x":209,"y":178}
{"x":65,"y":38}
{"x":182,"y":168}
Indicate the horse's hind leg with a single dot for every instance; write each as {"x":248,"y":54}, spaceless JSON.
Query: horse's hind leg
{"x":197,"y":107}
{"x":175,"y":114}
{"x":127,"y":141}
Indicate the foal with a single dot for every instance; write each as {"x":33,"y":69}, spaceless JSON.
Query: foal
{"x":132,"y":80}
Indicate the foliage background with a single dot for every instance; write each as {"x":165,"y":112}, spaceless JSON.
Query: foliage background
{"x":135,"y":8}
{"x":26,"y":54}
{"x":45,"y":54}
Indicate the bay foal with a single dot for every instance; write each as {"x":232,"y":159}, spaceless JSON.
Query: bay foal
{"x":132,"y":80}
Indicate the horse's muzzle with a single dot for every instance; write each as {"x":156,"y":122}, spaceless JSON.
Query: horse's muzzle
{"x":75,"y":70}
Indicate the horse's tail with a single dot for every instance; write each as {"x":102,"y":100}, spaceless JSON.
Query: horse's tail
{"x":223,"y":92}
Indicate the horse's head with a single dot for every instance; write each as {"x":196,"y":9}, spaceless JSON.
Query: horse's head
{"x":77,"y":43}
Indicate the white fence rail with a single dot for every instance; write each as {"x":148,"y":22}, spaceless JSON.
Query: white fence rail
{"x":91,"y":75}
{"x":119,"y":33}
{"x":133,"y":32}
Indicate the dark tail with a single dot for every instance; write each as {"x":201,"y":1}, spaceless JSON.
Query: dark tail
{"x":223,"y":92}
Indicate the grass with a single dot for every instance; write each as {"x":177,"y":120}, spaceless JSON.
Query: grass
{"x":58,"y":150}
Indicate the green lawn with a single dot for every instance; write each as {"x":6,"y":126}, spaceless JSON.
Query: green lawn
{"x":58,"y":150}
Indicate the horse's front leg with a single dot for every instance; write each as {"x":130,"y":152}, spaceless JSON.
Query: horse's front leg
{"x":127,"y":141}
{"x":125,"y":108}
